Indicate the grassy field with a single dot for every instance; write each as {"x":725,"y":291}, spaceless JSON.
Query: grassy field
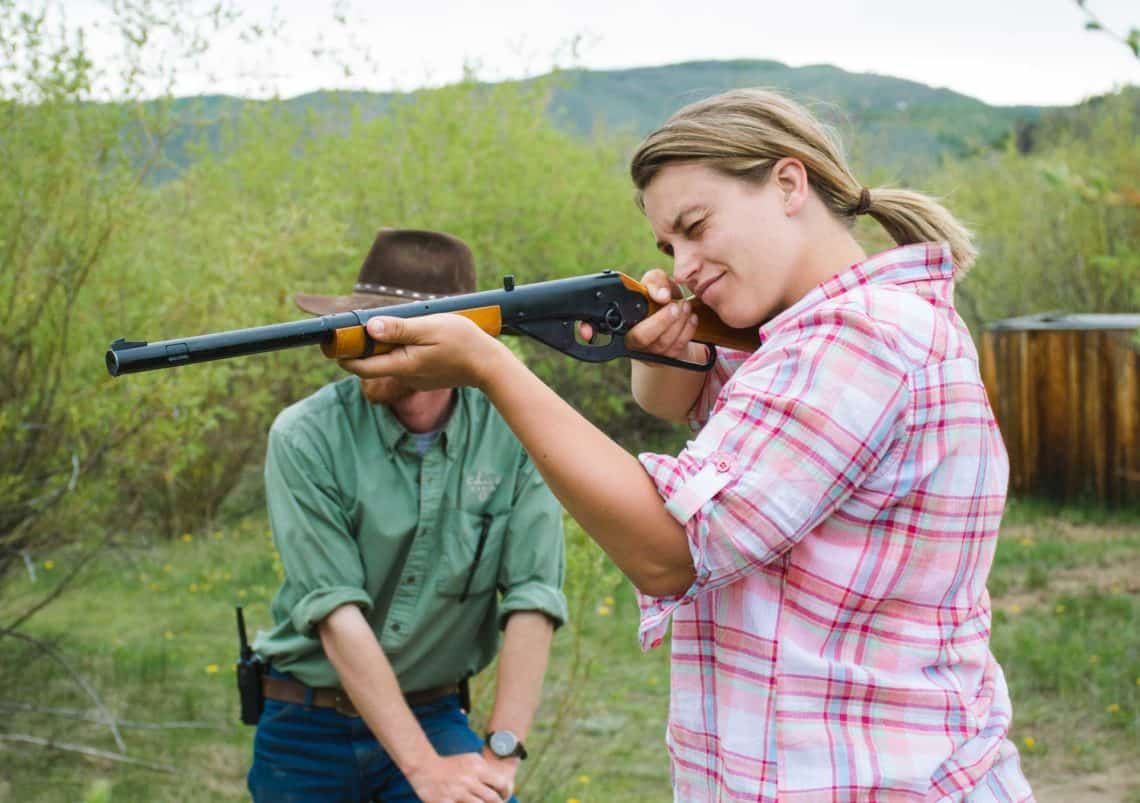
{"x":153,"y":631}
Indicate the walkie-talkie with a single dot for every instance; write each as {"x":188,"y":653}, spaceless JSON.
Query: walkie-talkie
{"x":250,"y":669}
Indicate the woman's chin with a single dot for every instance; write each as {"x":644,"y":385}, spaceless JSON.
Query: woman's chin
{"x":736,"y":317}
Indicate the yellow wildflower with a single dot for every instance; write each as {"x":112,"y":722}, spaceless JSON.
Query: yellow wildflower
{"x":211,"y":669}
{"x":603,"y":610}
{"x":1112,"y":708}
{"x":1059,"y":609}
{"x":187,"y":537}
{"x":608,"y":600}
{"x":583,"y":779}
{"x":49,"y":564}
{"x":1030,"y":742}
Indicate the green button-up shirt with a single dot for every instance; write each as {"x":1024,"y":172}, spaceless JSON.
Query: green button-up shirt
{"x":421,"y":544}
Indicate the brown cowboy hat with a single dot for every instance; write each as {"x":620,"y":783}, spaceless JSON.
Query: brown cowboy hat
{"x":403,"y":265}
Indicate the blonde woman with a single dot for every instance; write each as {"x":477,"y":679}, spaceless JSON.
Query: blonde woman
{"x":821,"y":546}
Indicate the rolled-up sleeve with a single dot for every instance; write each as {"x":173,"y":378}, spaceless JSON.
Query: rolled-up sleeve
{"x":311,"y":531}
{"x":533,"y":568}
{"x":799,"y":427}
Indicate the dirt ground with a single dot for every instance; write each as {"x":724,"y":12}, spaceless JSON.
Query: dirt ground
{"x":1121,"y":784}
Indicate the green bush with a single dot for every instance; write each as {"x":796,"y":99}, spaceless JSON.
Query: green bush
{"x":1059,"y":227}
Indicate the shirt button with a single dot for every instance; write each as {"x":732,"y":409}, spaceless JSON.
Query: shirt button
{"x":396,"y":628}
{"x":723,"y":465}
{"x":411,"y":579}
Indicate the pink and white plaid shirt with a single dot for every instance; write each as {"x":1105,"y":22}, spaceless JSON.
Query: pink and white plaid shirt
{"x":842,"y":502}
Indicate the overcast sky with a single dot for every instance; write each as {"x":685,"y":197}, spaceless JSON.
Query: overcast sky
{"x":1000,"y":51}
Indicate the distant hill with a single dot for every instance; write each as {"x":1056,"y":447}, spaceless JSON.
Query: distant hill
{"x":899,"y":125}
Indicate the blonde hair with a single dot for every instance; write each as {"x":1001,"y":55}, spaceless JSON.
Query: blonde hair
{"x":744,"y":132}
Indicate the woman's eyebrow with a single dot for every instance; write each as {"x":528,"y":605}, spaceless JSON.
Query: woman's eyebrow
{"x":681,"y":216}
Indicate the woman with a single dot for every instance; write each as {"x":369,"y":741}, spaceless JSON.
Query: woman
{"x":821,"y":546}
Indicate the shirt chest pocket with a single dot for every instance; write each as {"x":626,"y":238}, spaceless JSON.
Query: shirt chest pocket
{"x":472,"y":550}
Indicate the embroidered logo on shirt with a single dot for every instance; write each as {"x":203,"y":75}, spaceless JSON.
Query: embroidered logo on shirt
{"x":481,"y":485}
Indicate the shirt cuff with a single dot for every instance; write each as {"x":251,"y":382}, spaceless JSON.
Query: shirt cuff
{"x":316,"y":605}
{"x":684,"y":497}
{"x":534,"y":596}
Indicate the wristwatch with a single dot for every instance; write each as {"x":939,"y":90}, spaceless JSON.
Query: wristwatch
{"x":504,"y":744}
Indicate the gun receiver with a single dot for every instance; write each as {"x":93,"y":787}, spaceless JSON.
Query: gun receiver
{"x":611,"y":302}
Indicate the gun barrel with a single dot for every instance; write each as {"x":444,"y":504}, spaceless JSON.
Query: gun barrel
{"x":125,"y":357}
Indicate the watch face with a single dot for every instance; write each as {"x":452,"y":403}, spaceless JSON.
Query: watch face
{"x":503,"y":743}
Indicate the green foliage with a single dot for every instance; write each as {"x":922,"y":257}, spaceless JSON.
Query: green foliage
{"x":1059,"y":227}
{"x":65,"y":192}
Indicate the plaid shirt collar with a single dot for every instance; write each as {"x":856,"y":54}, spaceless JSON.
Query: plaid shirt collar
{"x":927,"y":265}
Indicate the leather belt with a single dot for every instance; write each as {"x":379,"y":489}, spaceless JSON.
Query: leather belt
{"x":287,"y":690}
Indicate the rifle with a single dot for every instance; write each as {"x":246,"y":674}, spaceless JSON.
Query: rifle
{"x":611,"y":302}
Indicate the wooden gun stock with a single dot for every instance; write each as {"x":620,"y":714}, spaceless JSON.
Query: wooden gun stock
{"x":352,"y":341}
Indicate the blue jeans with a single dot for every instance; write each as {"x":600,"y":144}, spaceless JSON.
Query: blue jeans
{"x":317,"y":755}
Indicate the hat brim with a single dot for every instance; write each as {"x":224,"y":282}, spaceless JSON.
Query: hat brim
{"x":329,"y":305}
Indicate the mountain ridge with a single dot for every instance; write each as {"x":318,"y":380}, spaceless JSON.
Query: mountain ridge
{"x":901,"y":124}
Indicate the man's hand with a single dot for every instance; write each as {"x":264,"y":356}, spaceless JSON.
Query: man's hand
{"x":509,"y":766}
{"x":463,"y":778}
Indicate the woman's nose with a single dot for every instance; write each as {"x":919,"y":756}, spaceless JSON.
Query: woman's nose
{"x":685,"y":265}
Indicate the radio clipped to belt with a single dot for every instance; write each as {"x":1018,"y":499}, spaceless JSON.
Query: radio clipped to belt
{"x":250,"y":670}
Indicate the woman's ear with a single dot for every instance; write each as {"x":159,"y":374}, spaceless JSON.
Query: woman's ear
{"x":791,"y":178}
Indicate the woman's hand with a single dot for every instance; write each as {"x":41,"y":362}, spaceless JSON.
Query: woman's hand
{"x":663,"y":391}
{"x":670,"y":330}
{"x":435,"y":351}
{"x":667,"y":331}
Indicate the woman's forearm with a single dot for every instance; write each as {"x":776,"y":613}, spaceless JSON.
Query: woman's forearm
{"x":665,"y":392}
{"x":603,"y":487}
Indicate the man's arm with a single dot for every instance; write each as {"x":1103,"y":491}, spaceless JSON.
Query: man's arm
{"x":367,"y":677}
{"x":522,"y":665}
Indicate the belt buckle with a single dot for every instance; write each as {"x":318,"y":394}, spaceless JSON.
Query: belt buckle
{"x":342,"y":704}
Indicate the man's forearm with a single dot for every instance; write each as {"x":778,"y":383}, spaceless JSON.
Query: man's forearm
{"x":368,"y":678}
{"x":522,"y":665}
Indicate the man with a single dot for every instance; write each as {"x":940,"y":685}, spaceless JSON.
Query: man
{"x":412,"y":527}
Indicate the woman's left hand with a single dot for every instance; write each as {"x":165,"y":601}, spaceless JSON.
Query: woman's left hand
{"x":435,"y":351}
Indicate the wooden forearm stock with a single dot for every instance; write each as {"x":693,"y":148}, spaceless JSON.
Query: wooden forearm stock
{"x":353,"y":341}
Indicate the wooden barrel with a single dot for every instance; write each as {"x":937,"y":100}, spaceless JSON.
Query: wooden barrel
{"x":1066,"y":393}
